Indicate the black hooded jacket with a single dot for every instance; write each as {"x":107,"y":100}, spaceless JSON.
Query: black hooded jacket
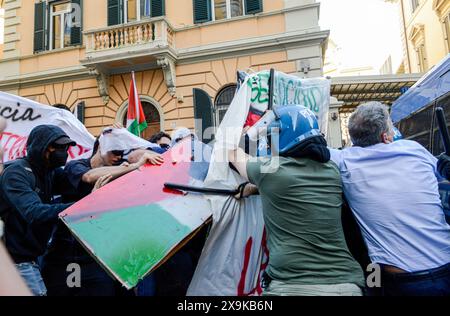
{"x":27,"y":188}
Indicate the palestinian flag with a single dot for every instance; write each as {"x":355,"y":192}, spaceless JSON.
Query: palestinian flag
{"x":132,"y":225}
{"x":136,"y":122}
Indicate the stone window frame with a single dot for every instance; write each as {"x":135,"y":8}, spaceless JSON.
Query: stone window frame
{"x":62,"y":14}
{"x":443,"y":13}
{"x":228,"y":10}
{"x":417,"y":38}
{"x":415,"y":4}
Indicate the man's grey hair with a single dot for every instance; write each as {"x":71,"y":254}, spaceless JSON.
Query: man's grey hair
{"x":368,"y":123}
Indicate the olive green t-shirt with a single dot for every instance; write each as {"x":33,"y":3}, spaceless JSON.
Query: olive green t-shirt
{"x":302,"y":203}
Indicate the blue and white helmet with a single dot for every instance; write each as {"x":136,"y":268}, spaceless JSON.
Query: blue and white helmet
{"x":295,"y":124}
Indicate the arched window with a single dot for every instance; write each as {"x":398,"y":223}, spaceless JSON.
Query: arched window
{"x":223,"y":101}
{"x":152,"y":116}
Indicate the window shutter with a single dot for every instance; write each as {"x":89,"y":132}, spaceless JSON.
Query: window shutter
{"x":203,"y":111}
{"x":39,"y":26}
{"x":158,"y":8}
{"x":80,"y":111}
{"x":115,"y":12}
{"x":253,"y":6}
{"x":202,"y":11}
{"x":75,"y":32}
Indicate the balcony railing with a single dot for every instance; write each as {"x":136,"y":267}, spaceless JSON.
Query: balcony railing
{"x":156,"y":31}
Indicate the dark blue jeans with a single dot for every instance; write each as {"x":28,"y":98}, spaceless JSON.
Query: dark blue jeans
{"x":31,"y":274}
{"x":147,"y":287}
{"x":94,"y":280}
{"x":434,"y":282}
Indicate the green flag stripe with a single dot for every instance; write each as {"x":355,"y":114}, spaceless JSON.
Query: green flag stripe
{"x":136,"y":128}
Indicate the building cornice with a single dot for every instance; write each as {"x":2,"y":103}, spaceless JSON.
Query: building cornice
{"x":251,"y":46}
{"x":45,"y":77}
{"x":49,"y":52}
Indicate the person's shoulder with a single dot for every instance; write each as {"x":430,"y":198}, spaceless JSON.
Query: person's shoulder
{"x":17,"y":170}
{"x":254,"y":163}
{"x":332,"y":164}
{"x":157,"y":150}
{"x":19,"y":165}
{"x":78,"y":162}
{"x":409,"y":145}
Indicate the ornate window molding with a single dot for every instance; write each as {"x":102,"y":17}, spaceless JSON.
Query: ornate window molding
{"x":442,"y":8}
{"x":417,"y":33}
{"x":417,"y":38}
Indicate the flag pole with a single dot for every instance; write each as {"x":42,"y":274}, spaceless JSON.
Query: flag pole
{"x":136,"y":98}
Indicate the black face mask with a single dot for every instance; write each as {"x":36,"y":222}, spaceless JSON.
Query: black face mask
{"x":58,"y":158}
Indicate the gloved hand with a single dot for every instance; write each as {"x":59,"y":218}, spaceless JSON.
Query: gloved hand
{"x":245,"y":190}
{"x":443,"y":165}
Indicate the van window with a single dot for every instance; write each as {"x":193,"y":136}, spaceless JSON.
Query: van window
{"x":417,"y":127}
{"x":443,"y":102}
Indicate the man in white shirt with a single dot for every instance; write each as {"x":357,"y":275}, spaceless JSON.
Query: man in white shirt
{"x":392,"y":189}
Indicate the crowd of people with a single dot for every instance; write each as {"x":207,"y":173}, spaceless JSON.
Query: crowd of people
{"x":391,"y":188}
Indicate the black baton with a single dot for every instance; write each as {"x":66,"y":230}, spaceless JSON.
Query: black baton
{"x":443,"y":129}
{"x":212,"y":191}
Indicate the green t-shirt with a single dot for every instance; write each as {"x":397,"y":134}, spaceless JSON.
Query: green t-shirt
{"x":302,"y":212}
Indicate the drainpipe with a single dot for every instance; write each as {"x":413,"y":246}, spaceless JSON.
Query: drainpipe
{"x":402,"y":8}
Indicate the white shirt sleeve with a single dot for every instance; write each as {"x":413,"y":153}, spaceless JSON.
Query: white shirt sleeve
{"x":430,"y":159}
{"x":336,"y":157}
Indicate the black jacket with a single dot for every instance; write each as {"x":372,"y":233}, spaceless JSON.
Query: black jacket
{"x":27,"y":188}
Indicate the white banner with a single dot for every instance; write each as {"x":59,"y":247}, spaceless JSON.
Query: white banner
{"x":312,"y":93}
{"x":22,"y":115}
{"x":234,"y":255}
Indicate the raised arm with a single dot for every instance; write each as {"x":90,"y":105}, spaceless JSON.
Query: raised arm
{"x":117,"y":171}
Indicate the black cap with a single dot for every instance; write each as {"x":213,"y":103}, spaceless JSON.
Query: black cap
{"x":65,"y":140}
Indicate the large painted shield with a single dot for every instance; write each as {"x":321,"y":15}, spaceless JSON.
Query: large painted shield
{"x":132,"y":225}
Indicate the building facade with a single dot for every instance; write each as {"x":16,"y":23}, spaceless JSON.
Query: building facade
{"x":425,"y":33}
{"x":185,"y":54}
